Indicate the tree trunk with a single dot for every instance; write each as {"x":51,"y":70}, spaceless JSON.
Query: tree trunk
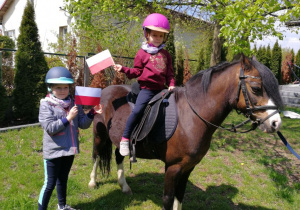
{"x":215,"y":57}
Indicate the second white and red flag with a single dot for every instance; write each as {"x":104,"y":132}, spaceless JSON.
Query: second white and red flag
{"x":87,"y":96}
{"x":100,"y":61}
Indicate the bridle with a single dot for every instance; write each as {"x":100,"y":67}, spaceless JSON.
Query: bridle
{"x":249,"y":109}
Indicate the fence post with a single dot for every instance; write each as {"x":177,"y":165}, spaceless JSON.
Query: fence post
{"x":86,"y":74}
{"x":0,"y":67}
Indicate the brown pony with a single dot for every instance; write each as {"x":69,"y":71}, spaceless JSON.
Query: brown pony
{"x":203,"y":104}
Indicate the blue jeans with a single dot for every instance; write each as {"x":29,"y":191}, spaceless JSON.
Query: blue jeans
{"x":56,"y":173}
{"x":141,"y":102}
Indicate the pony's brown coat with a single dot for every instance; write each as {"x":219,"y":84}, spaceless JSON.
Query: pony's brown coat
{"x":212,"y":93}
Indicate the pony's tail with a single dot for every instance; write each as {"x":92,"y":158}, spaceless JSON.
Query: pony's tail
{"x":105,"y":154}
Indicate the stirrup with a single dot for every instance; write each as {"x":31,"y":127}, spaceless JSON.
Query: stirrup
{"x":133,"y":156}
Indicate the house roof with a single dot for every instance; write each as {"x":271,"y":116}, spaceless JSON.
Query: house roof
{"x":4,"y":8}
{"x":293,"y":23}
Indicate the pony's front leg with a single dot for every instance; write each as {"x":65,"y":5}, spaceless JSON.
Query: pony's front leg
{"x":121,"y":177}
{"x":172,"y":175}
{"x":93,"y":176}
{"x":180,"y":189}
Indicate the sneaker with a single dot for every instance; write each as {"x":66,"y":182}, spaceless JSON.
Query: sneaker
{"x":66,"y":207}
{"x":124,"y":148}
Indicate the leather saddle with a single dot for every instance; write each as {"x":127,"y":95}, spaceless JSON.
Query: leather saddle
{"x":159,"y":119}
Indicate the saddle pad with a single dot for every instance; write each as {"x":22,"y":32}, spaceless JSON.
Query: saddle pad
{"x":165,"y":124}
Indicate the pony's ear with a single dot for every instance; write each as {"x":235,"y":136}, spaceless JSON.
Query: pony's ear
{"x":236,"y":57}
{"x":245,"y":63}
{"x":254,"y":58}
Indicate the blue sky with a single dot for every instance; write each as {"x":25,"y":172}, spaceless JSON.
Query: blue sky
{"x":290,"y":40}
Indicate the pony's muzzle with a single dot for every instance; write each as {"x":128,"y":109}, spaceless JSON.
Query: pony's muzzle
{"x":272,"y":124}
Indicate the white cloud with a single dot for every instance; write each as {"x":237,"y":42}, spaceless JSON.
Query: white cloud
{"x":291,"y":40}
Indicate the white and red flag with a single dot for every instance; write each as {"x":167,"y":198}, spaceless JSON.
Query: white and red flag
{"x":87,"y":96}
{"x":100,"y":61}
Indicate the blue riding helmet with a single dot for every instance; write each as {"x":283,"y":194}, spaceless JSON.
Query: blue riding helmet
{"x":59,"y":75}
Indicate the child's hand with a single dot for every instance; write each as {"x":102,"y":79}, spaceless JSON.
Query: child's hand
{"x":98,"y":109}
{"x":171,"y":88}
{"x":117,"y":67}
{"x":73,"y":113}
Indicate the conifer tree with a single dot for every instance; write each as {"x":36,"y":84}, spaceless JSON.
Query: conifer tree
{"x":297,"y":62}
{"x":259,"y":54}
{"x":263,"y":55}
{"x":268,"y":56}
{"x":31,"y":69}
{"x":293,"y":55}
{"x":275,"y":65}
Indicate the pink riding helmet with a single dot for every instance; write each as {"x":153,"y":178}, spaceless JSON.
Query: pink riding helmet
{"x":157,"y":22}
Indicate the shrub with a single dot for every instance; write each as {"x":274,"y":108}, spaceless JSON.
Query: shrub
{"x":31,"y":69}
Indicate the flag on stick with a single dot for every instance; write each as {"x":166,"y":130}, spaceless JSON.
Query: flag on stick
{"x":100,"y":61}
{"x":87,"y":96}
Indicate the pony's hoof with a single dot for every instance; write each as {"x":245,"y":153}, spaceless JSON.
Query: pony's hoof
{"x":127,"y":191}
{"x":92,"y":185}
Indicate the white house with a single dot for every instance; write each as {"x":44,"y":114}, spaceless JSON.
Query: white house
{"x":50,"y":18}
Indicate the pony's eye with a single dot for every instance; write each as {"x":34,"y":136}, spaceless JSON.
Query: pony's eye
{"x":256,"y":90}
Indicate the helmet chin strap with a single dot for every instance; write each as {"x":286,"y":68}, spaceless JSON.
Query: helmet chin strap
{"x":144,"y":29}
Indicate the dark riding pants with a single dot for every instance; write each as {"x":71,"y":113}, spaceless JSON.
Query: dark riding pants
{"x":56,"y":173}
{"x":141,"y":102}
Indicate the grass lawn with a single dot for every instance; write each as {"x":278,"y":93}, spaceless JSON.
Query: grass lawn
{"x":240,"y":171}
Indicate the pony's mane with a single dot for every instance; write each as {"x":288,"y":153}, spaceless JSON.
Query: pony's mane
{"x":270,"y":83}
{"x":205,"y":75}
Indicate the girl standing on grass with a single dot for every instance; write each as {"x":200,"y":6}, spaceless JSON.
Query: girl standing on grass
{"x":60,"y":119}
{"x":152,"y":66}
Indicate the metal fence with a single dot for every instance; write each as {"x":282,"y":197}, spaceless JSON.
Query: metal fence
{"x":7,"y":68}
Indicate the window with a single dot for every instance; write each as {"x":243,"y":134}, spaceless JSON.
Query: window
{"x":63,"y":30}
{"x":10,"y":34}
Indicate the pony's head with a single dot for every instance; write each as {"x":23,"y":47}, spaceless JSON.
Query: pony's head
{"x":258,"y":94}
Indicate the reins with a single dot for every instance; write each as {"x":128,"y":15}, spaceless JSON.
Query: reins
{"x":242,"y":87}
{"x":287,"y":144}
{"x":253,"y":127}
{"x":232,"y":129}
